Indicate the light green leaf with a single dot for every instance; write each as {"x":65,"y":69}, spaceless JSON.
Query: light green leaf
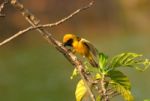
{"x":121,"y":84}
{"x":98,"y":76}
{"x":81,"y":90}
{"x":102,"y":60}
{"x":74,"y":73}
{"x":124,"y":92}
{"x":129,"y":60}
{"x":119,"y":77}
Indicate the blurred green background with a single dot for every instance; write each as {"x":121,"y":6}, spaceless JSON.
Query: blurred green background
{"x":32,"y":70}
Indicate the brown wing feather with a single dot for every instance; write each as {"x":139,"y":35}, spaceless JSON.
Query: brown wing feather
{"x":93,"y":53}
{"x":92,"y":49}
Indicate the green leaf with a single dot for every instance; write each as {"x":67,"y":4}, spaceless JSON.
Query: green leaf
{"x":81,"y":90}
{"x":98,"y":76}
{"x":102,"y":60}
{"x":129,"y":60}
{"x":124,"y":92}
{"x":74,"y":73}
{"x":121,"y":84}
{"x":119,"y":78}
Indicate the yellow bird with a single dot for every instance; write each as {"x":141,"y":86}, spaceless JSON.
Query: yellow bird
{"x":83,"y":47}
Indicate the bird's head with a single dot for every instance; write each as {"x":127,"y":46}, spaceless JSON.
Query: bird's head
{"x":68,"y":39}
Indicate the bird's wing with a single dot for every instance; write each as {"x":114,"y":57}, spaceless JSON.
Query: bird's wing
{"x":91,"y":47}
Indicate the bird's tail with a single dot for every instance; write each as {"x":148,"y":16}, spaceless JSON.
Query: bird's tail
{"x":92,"y":61}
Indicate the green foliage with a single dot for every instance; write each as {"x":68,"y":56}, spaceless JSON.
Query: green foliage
{"x":118,"y":81}
{"x":117,"y":77}
{"x":80,"y":90}
{"x":74,"y":73}
{"x":98,"y":76}
{"x":121,"y":84}
{"x":129,"y":60}
{"x":102,"y":60}
{"x":124,"y":92}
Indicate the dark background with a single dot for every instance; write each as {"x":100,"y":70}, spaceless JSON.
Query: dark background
{"x":33,"y":70}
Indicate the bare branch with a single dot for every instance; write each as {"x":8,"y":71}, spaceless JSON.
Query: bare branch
{"x":16,"y":35}
{"x":58,"y":45}
{"x":2,"y":7}
{"x":47,"y":25}
{"x":70,"y":16}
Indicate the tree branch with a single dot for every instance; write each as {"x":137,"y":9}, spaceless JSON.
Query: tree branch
{"x":47,"y":25}
{"x":103,"y":89}
{"x":16,"y":35}
{"x":2,"y":7}
{"x":58,"y":45}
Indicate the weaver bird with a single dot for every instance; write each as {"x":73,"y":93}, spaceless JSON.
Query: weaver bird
{"x":83,"y":47}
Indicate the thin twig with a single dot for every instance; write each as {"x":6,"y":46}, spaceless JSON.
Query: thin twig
{"x":16,"y":35}
{"x":47,"y":25}
{"x":2,"y":7}
{"x":70,"y":16}
{"x":58,"y":45}
{"x":103,"y":88}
